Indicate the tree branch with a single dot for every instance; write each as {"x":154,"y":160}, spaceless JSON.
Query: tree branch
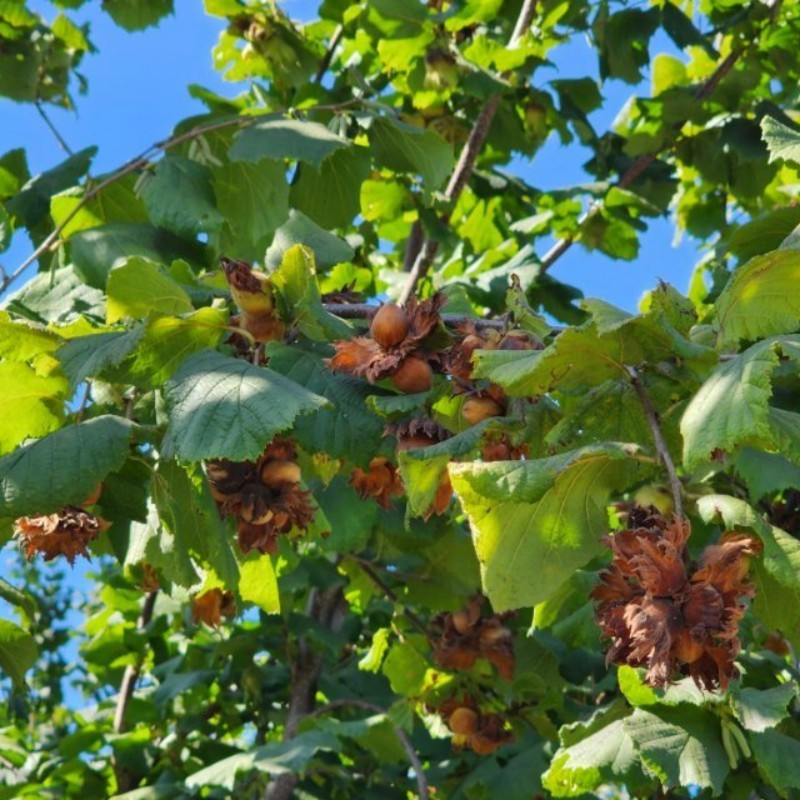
{"x":629,"y":177}
{"x":325,"y":607}
{"x":125,"y":780}
{"x":367,"y":311}
{"x":391,"y":594}
{"x":329,"y":53}
{"x":466,"y":160}
{"x":658,"y":438}
{"x":62,"y":142}
{"x":416,"y":764}
{"x":141,"y":161}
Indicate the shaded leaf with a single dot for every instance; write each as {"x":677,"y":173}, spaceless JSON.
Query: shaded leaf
{"x":223,"y":407}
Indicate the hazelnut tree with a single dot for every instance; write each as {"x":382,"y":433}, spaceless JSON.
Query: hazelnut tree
{"x":376,"y":505}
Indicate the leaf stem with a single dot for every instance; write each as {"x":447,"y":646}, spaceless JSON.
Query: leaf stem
{"x":658,"y":438}
{"x":416,"y":764}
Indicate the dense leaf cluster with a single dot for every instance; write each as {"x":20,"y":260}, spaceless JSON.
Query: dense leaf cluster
{"x":308,"y":580}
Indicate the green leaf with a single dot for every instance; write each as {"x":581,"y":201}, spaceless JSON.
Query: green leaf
{"x":24,"y":601}
{"x":223,"y":407}
{"x":331,"y":194}
{"x":62,"y":468}
{"x":296,"y":283}
{"x":406,"y":148}
{"x":167,"y":341}
{"x":759,"y":299}
{"x":782,"y":141}
{"x":351,"y":520}
{"x":287,"y":138}
{"x":766,"y":472}
{"x":345,"y":429}
{"x":422,"y":468}
{"x":605,"y":755}
{"x":32,"y":204}
{"x":610,"y":412}
{"x":586,"y":356}
{"x":254,"y":200}
{"x":276,"y":758}
{"x":138,"y":287}
{"x":134,"y":15}
{"x":761,"y":709}
{"x":21,"y":340}
{"x":60,"y":297}
{"x":95,"y":251}
{"x":18,"y":652}
{"x":542,"y":517}
{"x":731,"y":407}
{"x":523,"y":315}
{"x":405,"y":668}
{"x":167,"y":551}
{"x":763,"y":234}
{"x":189,"y":513}
{"x":32,"y":402}
{"x":87,"y":356}
{"x":681,"y":746}
{"x":258,"y":584}
{"x":328,"y":248}
{"x":179,"y":196}
{"x":371,"y":660}
{"x":778,"y":759}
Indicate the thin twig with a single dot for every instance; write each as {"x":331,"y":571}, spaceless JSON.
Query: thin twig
{"x":466,"y":160}
{"x":328,"y":57}
{"x":366,"y":311}
{"x":629,"y":177}
{"x":84,"y":402}
{"x":413,"y":244}
{"x":658,"y":438}
{"x":126,"y":689}
{"x":141,"y":161}
{"x":416,"y":764}
{"x":390,"y":594}
{"x":62,"y":142}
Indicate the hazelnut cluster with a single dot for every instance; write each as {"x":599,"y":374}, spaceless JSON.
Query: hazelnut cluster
{"x":211,"y":606}
{"x":667,"y":614}
{"x":463,"y":636}
{"x":489,"y":400}
{"x":482,"y":732}
{"x":396,"y":348}
{"x":264,"y":496}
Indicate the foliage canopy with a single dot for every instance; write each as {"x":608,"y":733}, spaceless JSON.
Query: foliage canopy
{"x":348,"y":553}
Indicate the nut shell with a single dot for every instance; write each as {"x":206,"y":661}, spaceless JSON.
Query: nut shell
{"x":390,"y":325}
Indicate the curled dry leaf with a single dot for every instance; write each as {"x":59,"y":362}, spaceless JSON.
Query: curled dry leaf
{"x":211,"y":606}
{"x":666,"y":615}
{"x":66,"y":532}
{"x":381,"y":482}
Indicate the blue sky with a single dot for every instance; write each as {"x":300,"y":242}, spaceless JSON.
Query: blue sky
{"x":137,"y":92}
